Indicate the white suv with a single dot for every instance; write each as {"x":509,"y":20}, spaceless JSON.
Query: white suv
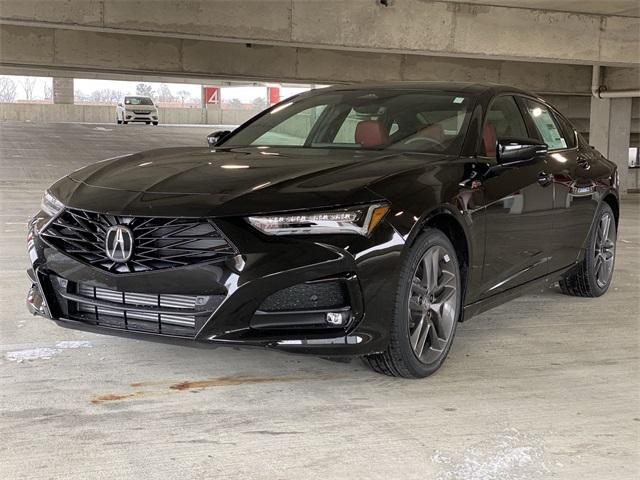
{"x":136,"y":109}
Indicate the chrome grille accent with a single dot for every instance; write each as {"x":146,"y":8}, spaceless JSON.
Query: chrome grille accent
{"x":168,"y":314}
{"x":158,"y":242}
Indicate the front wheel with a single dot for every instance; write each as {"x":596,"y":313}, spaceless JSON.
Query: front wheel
{"x":428,"y":305}
{"x":592,"y":276}
{"x":155,"y":123}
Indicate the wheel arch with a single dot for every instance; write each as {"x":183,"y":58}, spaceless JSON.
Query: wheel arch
{"x":611,"y":200}
{"x":453,"y":228}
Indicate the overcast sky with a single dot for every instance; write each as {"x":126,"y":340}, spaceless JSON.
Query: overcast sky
{"x":86,"y":86}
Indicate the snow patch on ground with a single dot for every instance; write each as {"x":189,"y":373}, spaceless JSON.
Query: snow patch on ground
{"x":74,"y":344}
{"x":31,"y":354}
{"x":102,"y":129}
{"x":45,"y":353}
{"x":511,"y":455}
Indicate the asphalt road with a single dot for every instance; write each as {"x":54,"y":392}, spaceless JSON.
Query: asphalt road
{"x":546,"y":387}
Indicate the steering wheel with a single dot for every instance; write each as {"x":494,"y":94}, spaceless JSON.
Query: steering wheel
{"x":430,"y":140}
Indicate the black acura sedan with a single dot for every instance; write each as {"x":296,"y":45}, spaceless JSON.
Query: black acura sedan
{"x":353,"y":221}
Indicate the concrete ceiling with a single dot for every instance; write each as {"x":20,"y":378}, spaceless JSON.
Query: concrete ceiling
{"x":627,"y":8}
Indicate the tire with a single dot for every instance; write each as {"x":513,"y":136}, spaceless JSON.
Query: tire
{"x":125,"y":122}
{"x":416,"y":348}
{"x":592,"y":276}
{"x":148,"y":123}
{"x":155,"y":123}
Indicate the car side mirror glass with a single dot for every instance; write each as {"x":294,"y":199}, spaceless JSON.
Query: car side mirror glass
{"x":519,"y":150}
{"x":214,"y":138}
{"x":120,"y":104}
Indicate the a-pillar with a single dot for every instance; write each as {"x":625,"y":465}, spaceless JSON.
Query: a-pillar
{"x":610,"y":132}
{"x":63,"y":90}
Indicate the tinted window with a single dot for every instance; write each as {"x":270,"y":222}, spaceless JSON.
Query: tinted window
{"x":545,"y":123}
{"x":293,"y":131}
{"x":393,"y":119}
{"x":567,"y":130}
{"x":503,"y":120}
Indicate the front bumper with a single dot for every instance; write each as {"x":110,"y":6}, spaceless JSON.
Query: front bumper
{"x":130,"y":116}
{"x":237,"y":291}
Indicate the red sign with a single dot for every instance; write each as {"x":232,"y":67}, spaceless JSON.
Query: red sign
{"x":212,"y":95}
{"x":274,"y":95}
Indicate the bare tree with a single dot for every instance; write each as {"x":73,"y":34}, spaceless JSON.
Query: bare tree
{"x":184,"y":95}
{"x":105,"y":95}
{"x":164,"y":94}
{"x":28,"y":85}
{"x":259,"y":103}
{"x":7,"y":90}
{"x":47,"y":90}
{"x":145,"y":89}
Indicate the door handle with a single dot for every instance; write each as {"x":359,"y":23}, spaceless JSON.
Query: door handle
{"x":584,"y":163}
{"x":545,"y":178}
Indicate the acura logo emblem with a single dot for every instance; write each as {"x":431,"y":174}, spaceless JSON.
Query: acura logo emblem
{"x":119,"y":243}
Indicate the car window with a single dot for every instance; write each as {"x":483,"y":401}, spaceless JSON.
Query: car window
{"x":394,"y":119}
{"x":294,"y":130}
{"x":545,"y":123}
{"x":138,"y":101}
{"x":503,"y":120}
{"x":568,"y":130}
{"x":347,"y":131}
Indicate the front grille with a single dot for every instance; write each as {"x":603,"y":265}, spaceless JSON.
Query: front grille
{"x":141,"y":112}
{"x":167,"y":314}
{"x":158,"y":242}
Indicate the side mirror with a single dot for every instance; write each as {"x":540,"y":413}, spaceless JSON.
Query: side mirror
{"x":214,"y":138}
{"x":512,"y":151}
{"x":120,"y":104}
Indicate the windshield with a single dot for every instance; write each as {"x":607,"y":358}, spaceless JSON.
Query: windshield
{"x":138,"y":101}
{"x":404,"y":120}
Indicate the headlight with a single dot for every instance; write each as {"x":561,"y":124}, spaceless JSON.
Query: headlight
{"x":359,"y":220}
{"x":50,"y":204}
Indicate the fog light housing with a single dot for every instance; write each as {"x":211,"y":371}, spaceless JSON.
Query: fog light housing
{"x":338,"y":319}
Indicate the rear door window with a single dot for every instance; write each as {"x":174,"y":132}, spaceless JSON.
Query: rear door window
{"x":544,"y":120}
{"x":568,"y":130}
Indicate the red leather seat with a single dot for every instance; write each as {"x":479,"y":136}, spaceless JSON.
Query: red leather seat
{"x":489,"y":139}
{"x":371,"y":133}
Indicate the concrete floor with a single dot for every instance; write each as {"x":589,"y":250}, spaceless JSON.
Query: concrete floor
{"x":547,"y":386}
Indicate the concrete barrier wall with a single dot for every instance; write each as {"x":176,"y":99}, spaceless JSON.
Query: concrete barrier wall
{"x":43,"y":113}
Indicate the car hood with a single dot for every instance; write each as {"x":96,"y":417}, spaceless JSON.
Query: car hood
{"x":200,"y":181}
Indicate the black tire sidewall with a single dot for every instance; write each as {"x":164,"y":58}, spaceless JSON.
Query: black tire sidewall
{"x":400,"y":333}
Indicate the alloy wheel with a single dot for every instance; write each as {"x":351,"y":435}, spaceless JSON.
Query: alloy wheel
{"x":433,"y":304}
{"x":604,"y":250}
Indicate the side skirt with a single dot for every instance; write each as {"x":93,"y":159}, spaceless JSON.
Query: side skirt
{"x":503,"y":297}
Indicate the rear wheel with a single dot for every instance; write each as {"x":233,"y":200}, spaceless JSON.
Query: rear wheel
{"x":592,"y":276}
{"x":155,"y":123}
{"x":125,"y":122}
{"x":427,"y":309}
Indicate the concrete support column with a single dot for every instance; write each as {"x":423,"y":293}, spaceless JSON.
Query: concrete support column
{"x":63,"y":90}
{"x":610,"y":132}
